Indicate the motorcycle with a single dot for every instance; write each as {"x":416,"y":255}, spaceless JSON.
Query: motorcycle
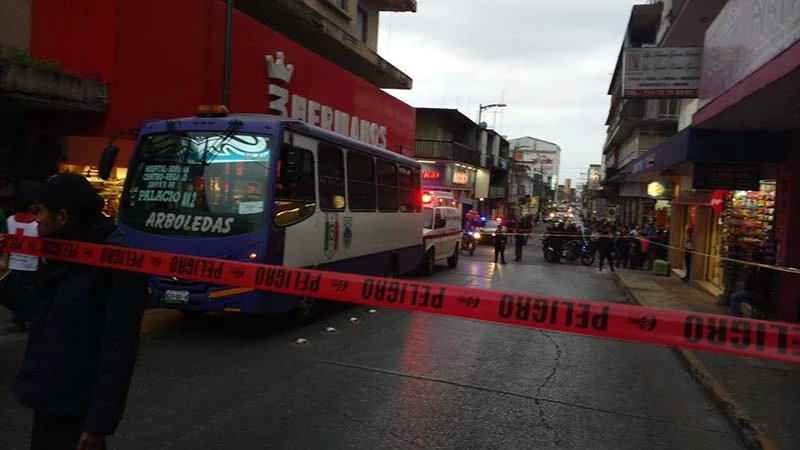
{"x":469,"y":242}
{"x":572,"y":251}
{"x":586,"y":253}
{"x":551,"y":255}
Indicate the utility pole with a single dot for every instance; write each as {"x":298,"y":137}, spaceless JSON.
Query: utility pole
{"x":482,"y":108}
{"x":226,"y":70}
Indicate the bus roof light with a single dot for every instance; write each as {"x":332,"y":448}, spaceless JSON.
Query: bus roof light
{"x":212,"y":111}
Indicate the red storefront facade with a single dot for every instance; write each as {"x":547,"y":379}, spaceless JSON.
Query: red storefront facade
{"x":162,"y":59}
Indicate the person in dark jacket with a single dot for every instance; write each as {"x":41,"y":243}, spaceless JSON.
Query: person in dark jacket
{"x":520,"y":241}
{"x":605,"y":245}
{"x":623,"y":248}
{"x":83,"y":343}
{"x":500,"y":245}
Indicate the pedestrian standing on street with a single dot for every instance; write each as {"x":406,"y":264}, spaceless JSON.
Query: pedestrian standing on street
{"x":83,"y":343}
{"x":622,"y":249}
{"x":520,"y":240}
{"x":18,"y":287}
{"x":688,"y":248}
{"x":500,"y":245}
{"x":605,"y":244}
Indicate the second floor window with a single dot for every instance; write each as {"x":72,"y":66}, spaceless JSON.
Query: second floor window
{"x":343,"y":4}
{"x":362,"y":24}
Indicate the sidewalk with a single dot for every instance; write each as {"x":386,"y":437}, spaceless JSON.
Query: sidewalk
{"x":761,"y":398}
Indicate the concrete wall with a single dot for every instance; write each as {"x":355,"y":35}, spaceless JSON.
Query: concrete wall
{"x":15,"y":23}
{"x":346,"y":19}
{"x":686,"y":112}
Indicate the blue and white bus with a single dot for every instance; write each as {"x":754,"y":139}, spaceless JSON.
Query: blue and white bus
{"x":268,"y":190}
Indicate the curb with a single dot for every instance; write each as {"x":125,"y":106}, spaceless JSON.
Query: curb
{"x":749,"y":432}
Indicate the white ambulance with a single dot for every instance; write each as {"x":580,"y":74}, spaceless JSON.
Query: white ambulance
{"x":441,"y":230}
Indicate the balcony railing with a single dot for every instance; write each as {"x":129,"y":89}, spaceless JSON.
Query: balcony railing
{"x":447,"y":150}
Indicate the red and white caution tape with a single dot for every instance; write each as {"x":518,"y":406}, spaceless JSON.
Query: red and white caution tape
{"x":738,"y":336}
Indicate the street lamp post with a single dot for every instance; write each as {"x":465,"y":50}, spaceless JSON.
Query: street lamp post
{"x":226,"y":70}
{"x":482,"y":108}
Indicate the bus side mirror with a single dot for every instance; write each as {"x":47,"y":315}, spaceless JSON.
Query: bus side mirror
{"x":107,"y":161}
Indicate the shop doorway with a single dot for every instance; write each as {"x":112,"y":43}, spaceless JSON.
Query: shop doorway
{"x":714,"y":268}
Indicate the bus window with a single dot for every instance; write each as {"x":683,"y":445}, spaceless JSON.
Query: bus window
{"x":439,"y":221}
{"x":387,"y":186}
{"x":295,"y":199}
{"x":201,"y":184}
{"x":405,"y":191}
{"x":360,"y":181}
{"x":331,"y":177}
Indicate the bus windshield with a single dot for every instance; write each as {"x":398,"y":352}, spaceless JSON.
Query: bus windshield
{"x":208,"y":184}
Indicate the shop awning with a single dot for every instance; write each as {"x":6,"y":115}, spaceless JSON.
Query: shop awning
{"x":694,"y":145}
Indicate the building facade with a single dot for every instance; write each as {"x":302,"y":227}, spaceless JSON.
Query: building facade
{"x":458,"y":156}
{"x":279,"y":50}
{"x":634,"y":125}
{"x":534,"y":181}
{"x":727,"y":181}
{"x":40,"y":102}
{"x":541,"y":156}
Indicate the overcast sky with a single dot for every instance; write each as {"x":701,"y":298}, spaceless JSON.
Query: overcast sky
{"x":549,"y":60}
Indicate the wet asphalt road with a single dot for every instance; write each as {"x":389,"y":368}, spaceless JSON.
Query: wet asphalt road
{"x":395,"y":380}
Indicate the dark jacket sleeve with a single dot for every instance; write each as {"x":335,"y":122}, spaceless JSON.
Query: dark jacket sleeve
{"x":125,"y":298}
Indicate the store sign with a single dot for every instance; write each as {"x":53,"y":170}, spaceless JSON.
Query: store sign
{"x":460,"y":177}
{"x":659,"y":190}
{"x":655,"y":189}
{"x":728,"y":176}
{"x":746,"y":35}
{"x":286,"y":104}
{"x":431,"y":175}
{"x":661,"y":72}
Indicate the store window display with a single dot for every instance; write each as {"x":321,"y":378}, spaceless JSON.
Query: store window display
{"x":748,"y":235}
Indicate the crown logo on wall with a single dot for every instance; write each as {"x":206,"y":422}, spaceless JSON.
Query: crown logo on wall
{"x":277,"y":69}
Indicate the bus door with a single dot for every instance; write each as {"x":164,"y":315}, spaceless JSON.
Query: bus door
{"x":296,"y":211}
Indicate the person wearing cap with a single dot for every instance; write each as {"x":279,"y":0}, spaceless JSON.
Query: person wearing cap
{"x":83,"y":343}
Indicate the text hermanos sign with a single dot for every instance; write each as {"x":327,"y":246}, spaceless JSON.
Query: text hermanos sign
{"x":286,"y":104}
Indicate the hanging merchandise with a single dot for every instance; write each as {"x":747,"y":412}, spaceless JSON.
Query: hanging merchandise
{"x":747,"y":235}
{"x":748,"y":221}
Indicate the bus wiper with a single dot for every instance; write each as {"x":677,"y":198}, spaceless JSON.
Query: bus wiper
{"x":233,"y":127}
